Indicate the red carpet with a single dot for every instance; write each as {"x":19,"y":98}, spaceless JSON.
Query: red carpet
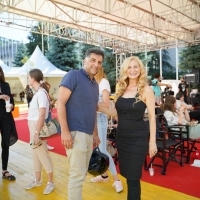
{"x":23,"y":134}
{"x":185,"y":179}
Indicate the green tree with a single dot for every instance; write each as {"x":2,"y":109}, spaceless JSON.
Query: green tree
{"x":153,"y":63}
{"x":36,"y":39}
{"x":25,"y":59}
{"x":63,"y":53}
{"x":20,"y":55}
{"x":109,"y":65}
{"x":190,"y":58}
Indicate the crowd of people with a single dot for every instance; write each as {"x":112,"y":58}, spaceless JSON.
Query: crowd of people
{"x":84,"y":122}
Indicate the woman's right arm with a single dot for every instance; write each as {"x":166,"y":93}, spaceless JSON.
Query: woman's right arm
{"x":112,"y":111}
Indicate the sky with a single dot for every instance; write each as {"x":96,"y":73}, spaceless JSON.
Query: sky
{"x":14,"y":34}
{"x":12,"y":31}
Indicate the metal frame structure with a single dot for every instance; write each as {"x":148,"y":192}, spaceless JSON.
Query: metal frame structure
{"x":123,"y":25}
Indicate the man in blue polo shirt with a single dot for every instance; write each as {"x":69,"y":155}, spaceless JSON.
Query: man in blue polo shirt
{"x":77,"y":105}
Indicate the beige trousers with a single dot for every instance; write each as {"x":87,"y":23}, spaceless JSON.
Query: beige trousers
{"x":78,"y":157}
{"x":40,"y":154}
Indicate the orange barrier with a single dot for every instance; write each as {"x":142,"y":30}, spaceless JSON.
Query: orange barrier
{"x":15,"y":112}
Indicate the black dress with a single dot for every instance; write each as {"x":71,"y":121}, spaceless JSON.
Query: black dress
{"x":7,"y":123}
{"x":132,"y":137}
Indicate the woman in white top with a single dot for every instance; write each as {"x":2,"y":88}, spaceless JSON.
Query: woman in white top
{"x":37,"y":113}
{"x":102,"y":125}
{"x":181,"y":117}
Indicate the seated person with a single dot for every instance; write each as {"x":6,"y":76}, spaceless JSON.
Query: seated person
{"x":194,"y":114}
{"x":180,"y":101}
{"x":181,"y":117}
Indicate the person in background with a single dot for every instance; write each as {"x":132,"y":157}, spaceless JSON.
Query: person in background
{"x":102,"y":126}
{"x":183,"y":88}
{"x":180,"y":101}
{"x":133,"y":140}
{"x":21,"y":94}
{"x":7,"y":126}
{"x":37,"y":113}
{"x":29,"y":94}
{"x":174,"y":117}
{"x":76,"y":110}
{"x":194,"y":114}
{"x":156,"y":83}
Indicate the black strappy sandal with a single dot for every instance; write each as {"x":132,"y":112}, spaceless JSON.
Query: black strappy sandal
{"x":10,"y":177}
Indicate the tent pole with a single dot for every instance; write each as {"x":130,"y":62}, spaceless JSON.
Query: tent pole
{"x":42,"y":39}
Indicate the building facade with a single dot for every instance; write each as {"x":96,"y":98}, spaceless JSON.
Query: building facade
{"x":8,"y":49}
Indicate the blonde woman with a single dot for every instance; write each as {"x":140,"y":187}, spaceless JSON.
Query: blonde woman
{"x":133,"y":96}
{"x":102,"y":126}
{"x":37,"y":113}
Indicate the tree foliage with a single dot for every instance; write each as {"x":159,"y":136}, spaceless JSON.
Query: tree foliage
{"x":20,"y":55}
{"x":36,"y":39}
{"x":109,"y":65}
{"x":190,"y":58}
{"x":153,"y":63}
{"x":64,"y":54}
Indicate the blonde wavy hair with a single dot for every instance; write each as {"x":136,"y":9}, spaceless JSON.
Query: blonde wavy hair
{"x":123,"y":81}
{"x":101,"y":74}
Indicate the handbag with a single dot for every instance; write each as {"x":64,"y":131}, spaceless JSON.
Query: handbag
{"x":111,"y":150}
{"x":99,"y":162}
{"x":55,"y":121}
{"x":48,"y":129}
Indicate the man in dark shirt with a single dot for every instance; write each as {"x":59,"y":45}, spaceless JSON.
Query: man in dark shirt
{"x":183,"y":88}
{"x":29,"y":94}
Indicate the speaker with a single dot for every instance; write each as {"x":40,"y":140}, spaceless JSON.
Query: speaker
{"x":190,"y":78}
{"x":193,"y":77}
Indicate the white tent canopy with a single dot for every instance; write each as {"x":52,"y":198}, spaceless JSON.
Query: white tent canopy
{"x":9,"y":71}
{"x":18,"y":76}
{"x":38,"y":60}
{"x":4,"y":66}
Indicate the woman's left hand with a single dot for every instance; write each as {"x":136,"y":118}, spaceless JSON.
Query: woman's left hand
{"x":152,"y":149}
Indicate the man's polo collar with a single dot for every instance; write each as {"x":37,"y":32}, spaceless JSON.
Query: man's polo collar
{"x":85,"y":73}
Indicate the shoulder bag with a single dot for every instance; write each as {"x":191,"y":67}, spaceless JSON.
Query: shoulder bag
{"x":48,"y":128}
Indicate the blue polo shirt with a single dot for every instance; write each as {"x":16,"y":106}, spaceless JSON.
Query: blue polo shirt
{"x":82,"y":104}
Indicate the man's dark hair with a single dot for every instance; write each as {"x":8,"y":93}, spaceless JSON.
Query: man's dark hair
{"x":157,"y":75}
{"x":96,"y":51}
